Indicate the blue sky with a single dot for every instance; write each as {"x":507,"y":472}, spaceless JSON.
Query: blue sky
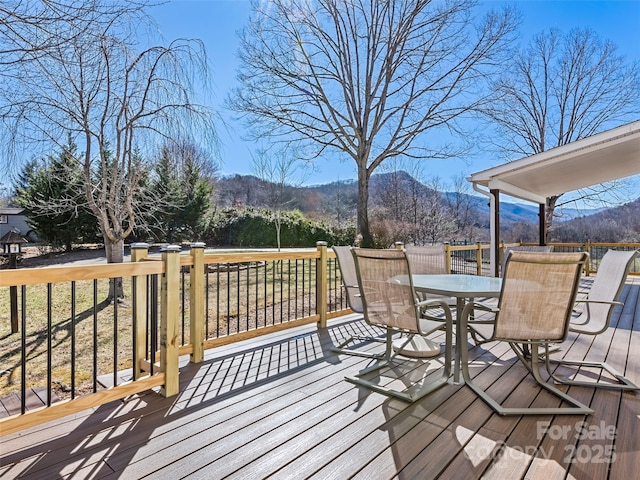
{"x":216,"y":23}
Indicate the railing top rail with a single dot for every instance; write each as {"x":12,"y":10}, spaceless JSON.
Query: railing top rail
{"x":34,"y":276}
{"x":258,"y":256}
{"x":462,"y":248}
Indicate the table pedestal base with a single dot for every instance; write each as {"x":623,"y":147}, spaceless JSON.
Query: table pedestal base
{"x":417,"y":347}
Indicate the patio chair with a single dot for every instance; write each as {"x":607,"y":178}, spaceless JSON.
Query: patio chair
{"x":350,"y":284}
{"x":428,"y":260}
{"x":481,"y":330}
{"x":390,"y":303}
{"x":534,"y":309}
{"x":524,"y":248}
{"x":595,"y":317}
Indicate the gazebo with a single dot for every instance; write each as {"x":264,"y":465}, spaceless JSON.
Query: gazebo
{"x":604,"y":157}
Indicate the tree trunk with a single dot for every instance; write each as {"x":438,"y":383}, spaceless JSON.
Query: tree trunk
{"x":550,"y":208}
{"x":366,"y":239}
{"x":115,"y":254}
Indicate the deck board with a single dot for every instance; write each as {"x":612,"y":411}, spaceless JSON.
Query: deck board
{"x":278,"y":407}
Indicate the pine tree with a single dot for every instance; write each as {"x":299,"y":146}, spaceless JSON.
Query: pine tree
{"x":51,"y":190}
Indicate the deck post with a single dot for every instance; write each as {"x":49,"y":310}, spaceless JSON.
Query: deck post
{"x":196,"y":302}
{"x":478,"y":258}
{"x":139,"y":251}
{"x":447,"y":255}
{"x":321,"y":285}
{"x":170,"y":313}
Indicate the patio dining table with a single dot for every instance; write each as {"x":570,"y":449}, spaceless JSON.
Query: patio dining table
{"x":463,"y":288}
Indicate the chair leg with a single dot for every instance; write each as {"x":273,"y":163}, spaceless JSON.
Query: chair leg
{"x":577,"y":408}
{"x":389,"y":355}
{"x":623,"y":382}
{"x":340,"y":348}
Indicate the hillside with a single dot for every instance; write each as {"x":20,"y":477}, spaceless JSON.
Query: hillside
{"x":619,"y":224}
{"x":338,"y":200}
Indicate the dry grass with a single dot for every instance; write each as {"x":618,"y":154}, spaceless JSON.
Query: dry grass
{"x":239,"y":297}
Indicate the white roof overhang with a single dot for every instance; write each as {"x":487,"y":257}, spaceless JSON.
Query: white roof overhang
{"x":604,"y":157}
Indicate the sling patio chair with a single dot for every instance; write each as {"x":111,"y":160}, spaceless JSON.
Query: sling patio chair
{"x":389,"y":302}
{"x":524,"y":248}
{"x":424,"y":260}
{"x":350,"y":284}
{"x":428,"y":260}
{"x":534,"y":309}
{"x":595,"y":317}
{"x":481,"y":330}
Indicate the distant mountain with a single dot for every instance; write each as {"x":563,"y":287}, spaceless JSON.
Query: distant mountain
{"x":339,"y":199}
{"x":627,"y":214}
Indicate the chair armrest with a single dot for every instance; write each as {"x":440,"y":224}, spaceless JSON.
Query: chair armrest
{"x":607,"y":302}
{"x":483,"y":307}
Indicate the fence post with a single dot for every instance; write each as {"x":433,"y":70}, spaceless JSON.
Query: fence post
{"x":170,"y":313}
{"x":196,"y":302}
{"x":139,"y":251}
{"x":478,"y":258}
{"x":399,"y":245}
{"x":322,"y":297}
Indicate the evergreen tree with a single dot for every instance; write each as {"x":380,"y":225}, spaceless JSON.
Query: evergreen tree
{"x":52,"y":192}
{"x":182,"y":193}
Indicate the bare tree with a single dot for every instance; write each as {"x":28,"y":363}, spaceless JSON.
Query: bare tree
{"x":280,"y":172}
{"x":560,"y":89}
{"x":460,"y":205}
{"x":118,"y":100}
{"x":31,"y":28}
{"x":436,"y":222}
{"x":366,"y":78}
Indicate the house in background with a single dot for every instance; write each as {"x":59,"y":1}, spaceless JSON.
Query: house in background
{"x":15,"y":219}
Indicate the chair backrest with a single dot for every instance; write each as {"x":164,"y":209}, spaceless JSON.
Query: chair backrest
{"x":426,"y":260}
{"x":387,"y":300}
{"x":524,"y":248}
{"x":607,"y":286}
{"x":537,"y":296}
{"x":349,"y":277}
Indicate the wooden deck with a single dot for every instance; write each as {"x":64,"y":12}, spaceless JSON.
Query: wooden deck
{"x":278,"y":407}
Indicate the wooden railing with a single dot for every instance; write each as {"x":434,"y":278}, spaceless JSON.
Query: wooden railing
{"x":71,"y":344}
{"x":474,"y":259}
{"x":174,"y":304}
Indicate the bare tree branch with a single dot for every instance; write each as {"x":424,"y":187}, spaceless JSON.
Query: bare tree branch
{"x":118,"y":100}
{"x":560,"y":89}
{"x":366,"y":78}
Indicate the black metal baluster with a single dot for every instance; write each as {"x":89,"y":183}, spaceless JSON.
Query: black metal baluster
{"x":265,"y":293}
{"x":273,"y":292}
{"x":238,"y":296}
{"x":95,"y":335}
{"x":289,"y":289}
{"x":115,"y":338}
{"x":247,"y":288}
{"x":206,"y":301}
{"x":304,"y":292}
{"x":281,"y":263}
{"x":218,"y":302}
{"x":182,"y":297}
{"x":134,"y":324}
{"x":228,"y":300}
{"x":49,"y":354}
{"x":296,"y":288}
{"x":73,"y":339}
{"x":23,"y":353}
{"x":154,"y":322}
